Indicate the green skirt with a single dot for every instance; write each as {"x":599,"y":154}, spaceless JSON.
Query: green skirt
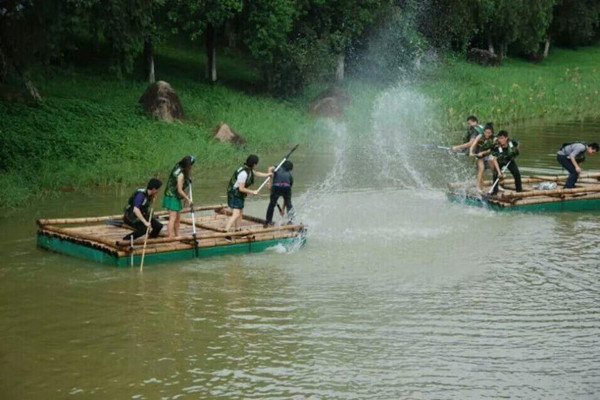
{"x":172,"y":203}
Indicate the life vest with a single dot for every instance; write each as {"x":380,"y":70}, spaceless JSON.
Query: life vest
{"x":171,"y":189}
{"x":504,"y":155}
{"x":485,"y":143}
{"x":283,"y":177}
{"x":579,"y":157}
{"x":473,"y":132}
{"x":249,"y":181}
{"x":144,"y":208}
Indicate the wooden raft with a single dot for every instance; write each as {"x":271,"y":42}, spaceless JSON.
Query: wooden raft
{"x":587,"y":188}
{"x":93,"y":232}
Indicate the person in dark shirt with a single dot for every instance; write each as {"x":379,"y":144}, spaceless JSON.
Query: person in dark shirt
{"x":281,"y":186}
{"x":504,"y":152}
{"x":137,"y":212}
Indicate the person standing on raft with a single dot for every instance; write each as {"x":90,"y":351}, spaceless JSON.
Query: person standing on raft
{"x":176,"y":191}
{"x":473,"y":130}
{"x":571,"y":155}
{"x":281,"y":186}
{"x":505,"y":153}
{"x":238,"y":189}
{"x":137,"y":212}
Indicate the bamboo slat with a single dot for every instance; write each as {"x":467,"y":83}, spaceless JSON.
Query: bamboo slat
{"x":84,"y":220}
{"x":70,"y":233}
{"x":123,"y":243}
{"x":533,"y":193}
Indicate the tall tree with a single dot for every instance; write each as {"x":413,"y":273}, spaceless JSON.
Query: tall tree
{"x":576,"y":22}
{"x":200,"y":18}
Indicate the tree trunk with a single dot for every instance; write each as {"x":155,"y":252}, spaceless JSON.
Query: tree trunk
{"x":231,"y":35}
{"x":149,"y":57}
{"x":339,"y":70}
{"x":490,"y":42}
{"x":211,"y":54}
{"x":547,"y":47}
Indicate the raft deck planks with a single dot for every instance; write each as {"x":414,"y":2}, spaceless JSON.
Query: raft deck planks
{"x":92,"y":238}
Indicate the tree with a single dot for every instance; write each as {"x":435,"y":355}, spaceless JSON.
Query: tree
{"x":576,"y":22}
{"x":203,"y":18}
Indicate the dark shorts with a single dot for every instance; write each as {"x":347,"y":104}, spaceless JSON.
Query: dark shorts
{"x":235,"y":202}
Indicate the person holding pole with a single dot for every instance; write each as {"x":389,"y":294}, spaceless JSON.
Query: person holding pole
{"x":137,"y":214}
{"x":177,"y":185}
{"x":238,"y":189}
{"x":571,"y":155}
{"x":481,"y":149}
{"x":504,"y":154}
{"x":473,"y":130}
{"x":281,"y":187}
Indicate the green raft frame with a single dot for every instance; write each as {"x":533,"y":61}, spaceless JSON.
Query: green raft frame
{"x":583,"y":198}
{"x":95,"y":240}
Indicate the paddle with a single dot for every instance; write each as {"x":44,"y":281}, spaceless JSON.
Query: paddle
{"x":193,"y":222}
{"x":489,"y":193}
{"x":147,"y":233}
{"x":437,"y":147}
{"x":277,"y":168}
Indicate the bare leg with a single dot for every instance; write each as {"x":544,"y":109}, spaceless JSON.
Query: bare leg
{"x":177,"y":222}
{"x":171,"y":226}
{"x":235,"y":214}
{"x":480,"y":171}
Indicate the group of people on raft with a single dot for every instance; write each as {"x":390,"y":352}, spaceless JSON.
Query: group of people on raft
{"x":498,"y":152}
{"x":178,"y":190}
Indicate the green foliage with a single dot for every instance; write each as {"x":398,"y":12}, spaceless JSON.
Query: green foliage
{"x":91,"y":131}
{"x":566,"y":86}
{"x":193,"y":17}
{"x":576,"y":22}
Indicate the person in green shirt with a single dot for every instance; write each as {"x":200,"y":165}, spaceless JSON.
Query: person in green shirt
{"x":238,"y":189}
{"x":176,"y":192}
{"x":481,"y":148}
{"x":473,"y":130}
{"x":505,"y":151}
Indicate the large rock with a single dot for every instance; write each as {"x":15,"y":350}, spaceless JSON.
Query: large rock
{"x":161,"y":101}
{"x":223,"y":133}
{"x":483,"y":57}
{"x":330,"y":103}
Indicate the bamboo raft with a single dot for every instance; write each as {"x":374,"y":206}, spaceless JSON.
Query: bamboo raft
{"x":584,"y":197}
{"x":93,"y":239}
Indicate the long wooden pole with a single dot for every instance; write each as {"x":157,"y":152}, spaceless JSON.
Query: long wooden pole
{"x":147,"y":233}
{"x":193,"y":223}
{"x":277,"y":168}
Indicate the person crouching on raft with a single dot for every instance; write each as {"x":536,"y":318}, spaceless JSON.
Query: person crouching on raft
{"x":481,"y":148}
{"x":506,"y":150}
{"x":571,"y":155}
{"x":176,"y":191}
{"x":237,"y":190}
{"x":137,"y":212}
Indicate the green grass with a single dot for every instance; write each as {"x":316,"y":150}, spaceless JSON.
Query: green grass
{"x":90,"y":129}
{"x":563,"y":87}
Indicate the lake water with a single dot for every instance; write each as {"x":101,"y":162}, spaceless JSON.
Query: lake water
{"x":398,"y":294}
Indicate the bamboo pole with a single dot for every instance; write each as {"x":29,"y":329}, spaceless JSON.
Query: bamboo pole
{"x":534,"y":193}
{"x":121,"y":243}
{"x":84,"y":220}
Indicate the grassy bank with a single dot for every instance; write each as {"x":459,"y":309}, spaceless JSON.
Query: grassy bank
{"x":90,"y":129}
{"x":564,"y":87}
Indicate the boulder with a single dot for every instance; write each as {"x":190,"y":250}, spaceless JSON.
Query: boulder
{"x":223,"y":133}
{"x":483,"y":57}
{"x":330,"y":103}
{"x":162,"y":102}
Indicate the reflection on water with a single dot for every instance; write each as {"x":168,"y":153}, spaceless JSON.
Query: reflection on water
{"x":397,"y":294}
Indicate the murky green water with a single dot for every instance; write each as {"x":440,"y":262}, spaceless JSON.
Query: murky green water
{"x":397,"y":295}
